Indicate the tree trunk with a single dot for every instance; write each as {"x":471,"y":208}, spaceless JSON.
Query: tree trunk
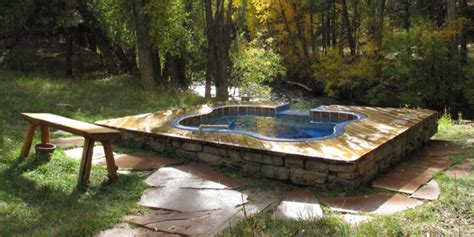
{"x":379,"y":15}
{"x":406,"y":15}
{"x":333,"y":23}
{"x":210,"y":68}
{"x":356,"y":23}
{"x":348,"y":27}
{"x":101,"y":38}
{"x":68,"y":53}
{"x":463,"y":35}
{"x":299,"y":30}
{"x":450,"y":10}
{"x":126,"y":62}
{"x":219,"y":33}
{"x":155,"y":55}
{"x":145,"y":55}
{"x":175,"y":71}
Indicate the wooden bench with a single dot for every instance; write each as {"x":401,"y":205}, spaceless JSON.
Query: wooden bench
{"x":90,"y":132}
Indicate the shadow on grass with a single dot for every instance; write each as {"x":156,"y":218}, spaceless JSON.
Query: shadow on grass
{"x":53,"y":210}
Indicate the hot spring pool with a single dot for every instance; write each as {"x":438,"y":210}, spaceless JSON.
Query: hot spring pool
{"x":271,"y":123}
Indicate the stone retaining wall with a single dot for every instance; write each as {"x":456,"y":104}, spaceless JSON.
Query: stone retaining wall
{"x":311,"y":171}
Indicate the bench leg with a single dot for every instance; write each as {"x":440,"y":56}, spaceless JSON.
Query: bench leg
{"x":28,"y":140}
{"x":44,"y":135}
{"x":109,"y":158}
{"x":86,"y":163}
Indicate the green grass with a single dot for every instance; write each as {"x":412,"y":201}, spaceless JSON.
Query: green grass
{"x":39,"y":199}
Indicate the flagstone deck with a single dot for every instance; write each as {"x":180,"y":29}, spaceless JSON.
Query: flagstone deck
{"x":366,"y":148}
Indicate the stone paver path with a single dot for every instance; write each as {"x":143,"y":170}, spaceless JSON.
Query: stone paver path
{"x":97,"y":157}
{"x":197,"y":200}
{"x":404,"y":178}
{"x":429,"y":191}
{"x":299,"y":205}
{"x":191,"y":200}
{"x":142,"y":161}
{"x":197,"y":223}
{"x":68,"y":142}
{"x":191,"y":176}
{"x":429,"y":162}
{"x":374,"y":203}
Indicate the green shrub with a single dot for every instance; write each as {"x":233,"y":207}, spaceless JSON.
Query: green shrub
{"x":422,"y":67}
{"x":253,"y":67}
{"x":345,"y":80}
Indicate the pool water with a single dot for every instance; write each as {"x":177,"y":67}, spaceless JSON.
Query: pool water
{"x":281,"y":126}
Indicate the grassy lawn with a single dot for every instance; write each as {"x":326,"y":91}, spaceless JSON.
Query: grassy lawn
{"x":38,"y":199}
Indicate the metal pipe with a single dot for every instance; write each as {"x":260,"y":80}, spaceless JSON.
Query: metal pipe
{"x":202,"y":126}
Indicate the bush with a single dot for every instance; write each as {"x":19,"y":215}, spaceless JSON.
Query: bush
{"x":345,"y":80}
{"x":253,"y":67}
{"x":422,"y":66}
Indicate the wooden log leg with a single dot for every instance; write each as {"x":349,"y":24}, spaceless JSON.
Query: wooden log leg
{"x":109,"y":158}
{"x":28,"y":140}
{"x":44,"y":135}
{"x":86,"y":163}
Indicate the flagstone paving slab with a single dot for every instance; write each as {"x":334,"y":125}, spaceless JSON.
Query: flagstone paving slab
{"x":98,"y":156}
{"x":299,"y":205}
{"x":460,"y":170}
{"x":436,"y":163}
{"x":354,"y":219}
{"x":191,"y":176}
{"x":68,"y":142}
{"x":142,"y":161}
{"x":375,"y":203}
{"x":404,"y":178}
{"x":442,"y":148}
{"x":197,"y":223}
{"x":429,"y":191}
{"x":191,"y":200}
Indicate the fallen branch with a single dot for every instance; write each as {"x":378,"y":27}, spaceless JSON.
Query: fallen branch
{"x":305,"y":87}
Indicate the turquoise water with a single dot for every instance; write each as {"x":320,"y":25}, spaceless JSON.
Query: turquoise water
{"x":282,"y":126}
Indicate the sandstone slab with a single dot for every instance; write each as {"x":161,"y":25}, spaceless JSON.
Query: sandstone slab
{"x":429,"y":191}
{"x":207,"y":223}
{"x":299,"y":205}
{"x":404,"y":178}
{"x":437,"y":163}
{"x":376,"y":203}
{"x":191,"y":200}
{"x":191,"y":176}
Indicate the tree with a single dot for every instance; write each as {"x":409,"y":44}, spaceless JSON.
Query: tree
{"x":147,"y":65}
{"x":219,"y":30}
